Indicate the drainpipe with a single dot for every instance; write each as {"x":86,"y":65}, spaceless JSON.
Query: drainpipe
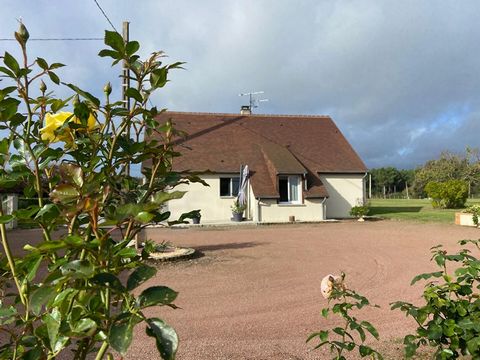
{"x":258,"y":210}
{"x":364,"y":189}
{"x":324,"y":215}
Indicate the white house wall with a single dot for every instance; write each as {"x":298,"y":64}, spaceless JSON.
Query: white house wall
{"x":345,"y":191}
{"x":206,"y":198}
{"x":310,"y":210}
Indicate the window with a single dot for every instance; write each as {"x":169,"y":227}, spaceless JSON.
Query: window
{"x":229,"y":186}
{"x":289,"y":188}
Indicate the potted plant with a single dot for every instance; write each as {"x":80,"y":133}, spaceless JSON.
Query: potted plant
{"x":196,"y":217}
{"x":237,"y":210}
{"x":360,"y":211}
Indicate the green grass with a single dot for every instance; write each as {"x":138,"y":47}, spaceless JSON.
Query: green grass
{"x":414,"y":210}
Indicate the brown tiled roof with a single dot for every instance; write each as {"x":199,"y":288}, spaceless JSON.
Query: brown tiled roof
{"x":270,"y":145}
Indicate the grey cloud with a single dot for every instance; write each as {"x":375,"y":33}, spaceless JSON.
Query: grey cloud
{"x":384,"y":70}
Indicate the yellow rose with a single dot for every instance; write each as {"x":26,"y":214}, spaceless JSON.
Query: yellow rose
{"x":55,"y":121}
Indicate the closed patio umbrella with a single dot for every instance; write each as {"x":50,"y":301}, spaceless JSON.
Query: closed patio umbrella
{"x":242,"y":191}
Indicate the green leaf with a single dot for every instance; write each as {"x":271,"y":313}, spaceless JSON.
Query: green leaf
{"x":426,"y":276}
{"x":83,"y":325}
{"x":325,"y":312}
{"x":158,"y":78}
{"x":156,"y":295}
{"x":165,"y":337}
{"x":121,"y":331}
{"x":7,"y":72}
{"x":51,"y":246}
{"x":365,"y":350}
{"x":132,"y":47}
{"x":410,"y":346}
{"x":54,"y":77}
{"x":42,"y":63}
{"x":323,"y":334}
{"x":127,"y":252}
{"x":56,"y":66}
{"x":78,"y":269}
{"x":161,"y":197}
{"x":53,"y":321}
{"x":64,"y":193}
{"x":48,"y":213}
{"x":115,"y":41}
{"x":4,"y":146}
{"x":139,"y":276}
{"x":144,"y":217}
{"x":6,"y":219}
{"x":108,"y":280}
{"x":30,"y":265}
{"x":40,"y":297}
{"x":110,"y":53}
{"x":85,"y":94}
{"x":135,"y":94}
{"x":11,"y":63}
{"x":370,"y":328}
{"x":434,"y":331}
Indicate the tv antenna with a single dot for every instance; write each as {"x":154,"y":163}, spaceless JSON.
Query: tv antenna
{"x":253,"y":101}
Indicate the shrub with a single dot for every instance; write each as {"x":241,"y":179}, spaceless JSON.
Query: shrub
{"x":80,"y":304}
{"x":475,"y":211}
{"x":360,"y":210}
{"x":450,"y":318}
{"x":451,"y":194}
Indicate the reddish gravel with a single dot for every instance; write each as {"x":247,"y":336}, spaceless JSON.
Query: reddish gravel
{"x":256,"y":292}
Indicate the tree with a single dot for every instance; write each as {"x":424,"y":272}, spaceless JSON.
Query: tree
{"x":387,"y":180}
{"x":449,"y":166}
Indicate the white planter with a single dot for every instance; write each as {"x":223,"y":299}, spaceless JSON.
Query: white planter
{"x":464,"y":219}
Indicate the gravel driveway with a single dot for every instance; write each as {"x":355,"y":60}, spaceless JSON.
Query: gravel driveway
{"x":256,"y":292}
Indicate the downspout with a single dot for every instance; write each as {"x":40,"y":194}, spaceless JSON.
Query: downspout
{"x":364,"y":188}
{"x":258,"y":210}
{"x":324,"y":212}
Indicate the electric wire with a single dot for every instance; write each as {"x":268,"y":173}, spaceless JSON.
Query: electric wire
{"x":56,"y":39}
{"x":104,"y":14}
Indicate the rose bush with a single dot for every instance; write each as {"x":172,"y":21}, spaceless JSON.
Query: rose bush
{"x":71,"y":292}
{"x":54,"y":129}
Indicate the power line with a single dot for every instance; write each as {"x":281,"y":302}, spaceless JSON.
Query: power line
{"x":55,"y":39}
{"x":104,"y":14}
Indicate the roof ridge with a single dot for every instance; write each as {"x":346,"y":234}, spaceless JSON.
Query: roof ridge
{"x":252,"y":115}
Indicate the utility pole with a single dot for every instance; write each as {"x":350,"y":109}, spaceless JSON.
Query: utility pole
{"x":126,"y":82}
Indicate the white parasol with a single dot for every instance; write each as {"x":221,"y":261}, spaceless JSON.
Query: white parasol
{"x":242,"y":191}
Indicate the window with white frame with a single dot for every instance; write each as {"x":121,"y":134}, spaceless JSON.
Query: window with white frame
{"x":229,"y":186}
{"x":289,"y":188}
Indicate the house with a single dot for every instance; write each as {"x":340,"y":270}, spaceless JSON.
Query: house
{"x":300,"y":166}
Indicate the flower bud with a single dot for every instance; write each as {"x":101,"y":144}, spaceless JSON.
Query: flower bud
{"x":22,"y":34}
{"x":107,"y":89}
{"x":43,"y":87}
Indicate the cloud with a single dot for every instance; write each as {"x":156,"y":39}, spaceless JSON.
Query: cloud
{"x":399,"y":78}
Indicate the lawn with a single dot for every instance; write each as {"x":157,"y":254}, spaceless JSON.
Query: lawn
{"x":413,"y":209}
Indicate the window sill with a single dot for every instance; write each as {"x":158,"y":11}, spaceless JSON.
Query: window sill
{"x":291,"y":204}
{"x":228,"y":197}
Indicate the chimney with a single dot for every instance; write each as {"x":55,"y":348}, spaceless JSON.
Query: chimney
{"x":245,"y":110}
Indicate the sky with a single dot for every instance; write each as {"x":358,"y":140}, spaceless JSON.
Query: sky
{"x":401,"y":79}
